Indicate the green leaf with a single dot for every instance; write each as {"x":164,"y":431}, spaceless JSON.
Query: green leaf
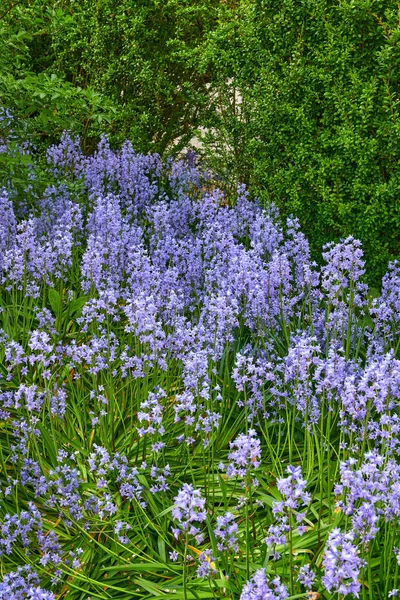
{"x":75,"y":306}
{"x":55,"y":301}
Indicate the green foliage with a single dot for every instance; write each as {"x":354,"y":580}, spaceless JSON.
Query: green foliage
{"x":144,"y":56}
{"x":51,"y":106}
{"x":43,"y":103}
{"x":317,"y":129}
{"x":136,"y":58}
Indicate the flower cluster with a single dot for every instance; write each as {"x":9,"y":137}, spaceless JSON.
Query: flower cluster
{"x":23,"y":584}
{"x":189,"y":509}
{"x":227,"y":533}
{"x":259,"y":588}
{"x":294,"y":498}
{"x":206,"y":566}
{"x":245,"y":454}
{"x":342,"y":564}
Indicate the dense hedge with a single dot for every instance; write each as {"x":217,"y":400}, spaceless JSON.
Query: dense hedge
{"x":318,"y":127}
{"x":138,"y":57}
{"x":300,"y":99}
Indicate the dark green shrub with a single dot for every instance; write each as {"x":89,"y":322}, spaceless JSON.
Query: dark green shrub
{"x":317,"y":130}
{"x":137,"y":57}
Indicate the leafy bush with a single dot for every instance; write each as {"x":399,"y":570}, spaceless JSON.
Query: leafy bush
{"x":139,"y":59}
{"x":43,"y":104}
{"x":317,"y":126}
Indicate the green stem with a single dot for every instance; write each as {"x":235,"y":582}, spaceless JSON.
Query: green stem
{"x":185,"y":569}
{"x":291,"y":552}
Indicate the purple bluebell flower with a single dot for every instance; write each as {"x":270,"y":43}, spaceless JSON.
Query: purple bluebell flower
{"x":226,"y":533}
{"x":21,"y":584}
{"x":294,"y":498}
{"x":120,"y":529}
{"x":306,"y":576}
{"x":8,"y":223}
{"x":250,"y":375}
{"x":159,"y":477}
{"x":342,"y":564}
{"x":259,"y":588}
{"x":206,"y":566}
{"x":293,"y":487}
{"x":150,"y":414}
{"x":38,"y":593}
{"x":244,"y":455}
{"x":189,"y":508}
{"x":385,"y":310}
{"x":293,"y":380}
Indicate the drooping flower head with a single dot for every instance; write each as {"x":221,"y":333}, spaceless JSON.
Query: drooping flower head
{"x":293,"y":487}
{"x":227,"y":532}
{"x":259,"y":588}
{"x":206,"y":566}
{"x":189,"y":509}
{"x":342,"y":564}
{"x":245,"y":454}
